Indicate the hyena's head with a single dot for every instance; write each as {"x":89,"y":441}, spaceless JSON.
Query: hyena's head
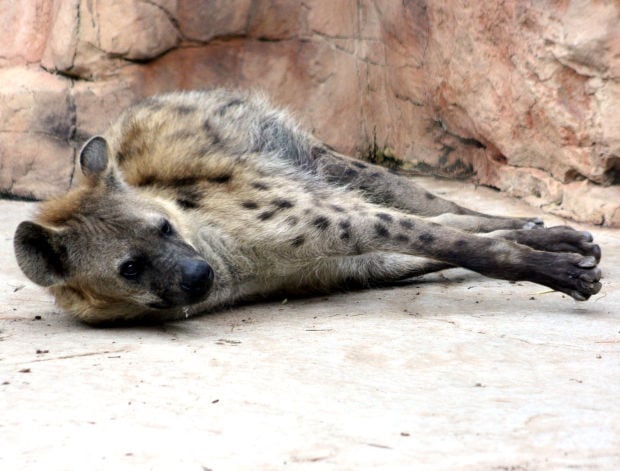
{"x":108,"y":253}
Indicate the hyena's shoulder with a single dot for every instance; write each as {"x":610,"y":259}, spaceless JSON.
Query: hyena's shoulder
{"x":184,"y":138}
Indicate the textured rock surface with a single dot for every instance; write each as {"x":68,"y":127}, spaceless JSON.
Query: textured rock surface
{"x":521,"y":96}
{"x":36,"y":124}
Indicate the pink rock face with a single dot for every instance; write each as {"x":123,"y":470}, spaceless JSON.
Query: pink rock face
{"x":519,"y":95}
{"x":24,"y":26}
{"x":36,"y":125}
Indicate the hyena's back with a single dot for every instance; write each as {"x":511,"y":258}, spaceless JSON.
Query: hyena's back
{"x":180,"y":138}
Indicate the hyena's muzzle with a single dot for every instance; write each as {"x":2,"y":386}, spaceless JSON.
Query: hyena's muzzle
{"x":187,"y":282}
{"x":196,"y":279}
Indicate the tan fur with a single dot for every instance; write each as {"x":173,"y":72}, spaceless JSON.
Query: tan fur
{"x":268,"y":208}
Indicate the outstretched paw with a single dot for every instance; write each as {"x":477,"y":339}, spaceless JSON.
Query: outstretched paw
{"x":559,"y":239}
{"x":587,"y":278}
{"x":573,"y":274}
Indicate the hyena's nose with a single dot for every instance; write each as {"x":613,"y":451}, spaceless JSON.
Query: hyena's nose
{"x":196,"y":278}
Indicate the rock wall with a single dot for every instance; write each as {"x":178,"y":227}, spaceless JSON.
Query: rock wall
{"x":519,"y":95}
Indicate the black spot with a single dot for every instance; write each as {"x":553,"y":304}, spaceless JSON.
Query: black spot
{"x":407,"y":224}
{"x":297,"y":241}
{"x":182,"y":181}
{"x":375,"y":174}
{"x":184,"y":109}
{"x":345,"y":235}
{"x":292,"y":220}
{"x":426,"y":238}
{"x":381,"y":230}
{"x":187,"y":204}
{"x":350,"y":173}
{"x":146,"y":180}
{"x":222,"y":178}
{"x":249,"y":205}
{"x":266,"y":215}
{"x":212,"y":133}
{"x":346,"y":224}
{"x":259,"y":186}
{"x":321,"y":222}
{"x":401,"y":238}
{"x":120,"y":158}
{"x":384,"y":217}
{"x":338,"y":209}
{"x":360,"y":165}
{"x":317,"y":152}
{"x":282,"y":203}
{"x":429,"y":196}
{"x":224,"y":108}
{"x":189,"y":197}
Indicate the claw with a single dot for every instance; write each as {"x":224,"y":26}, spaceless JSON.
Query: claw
{"x":591,"y":276}
{"x":534,"y":224}
{"x":587,"y":262}
{"x":588,"y":277}
{"x":596,"y":252}
{"x":578,"y":296}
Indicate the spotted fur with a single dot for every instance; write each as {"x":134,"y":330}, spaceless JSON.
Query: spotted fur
{"x":195,"y":200}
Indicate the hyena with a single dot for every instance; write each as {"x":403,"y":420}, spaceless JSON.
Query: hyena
{"x":196,"y":200}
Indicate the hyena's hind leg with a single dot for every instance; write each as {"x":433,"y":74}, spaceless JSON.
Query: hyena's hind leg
{"x":387,"y":188}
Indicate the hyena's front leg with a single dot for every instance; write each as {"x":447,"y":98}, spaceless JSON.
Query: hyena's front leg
{"x":385,"y":187}
{"x":373,"y":229}
{"x":380,"y":268}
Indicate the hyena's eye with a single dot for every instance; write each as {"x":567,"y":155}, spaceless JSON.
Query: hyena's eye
{"x":130,"y":270}
{"x":166,"y":228}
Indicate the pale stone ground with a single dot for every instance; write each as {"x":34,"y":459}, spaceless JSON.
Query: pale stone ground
{"x":452,"y":372}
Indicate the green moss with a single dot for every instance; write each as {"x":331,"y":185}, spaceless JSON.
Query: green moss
{"x":384,"y":156}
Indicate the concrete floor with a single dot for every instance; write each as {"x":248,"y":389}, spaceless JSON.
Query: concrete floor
{"x":452,"y":372}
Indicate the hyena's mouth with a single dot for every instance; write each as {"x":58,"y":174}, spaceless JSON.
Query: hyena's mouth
{"x":161,"y":305}
{"x":167,"y":304}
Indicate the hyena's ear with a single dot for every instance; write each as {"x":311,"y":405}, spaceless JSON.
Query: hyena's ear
{"x":40,"y":253}
{"x":94,"y":157}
